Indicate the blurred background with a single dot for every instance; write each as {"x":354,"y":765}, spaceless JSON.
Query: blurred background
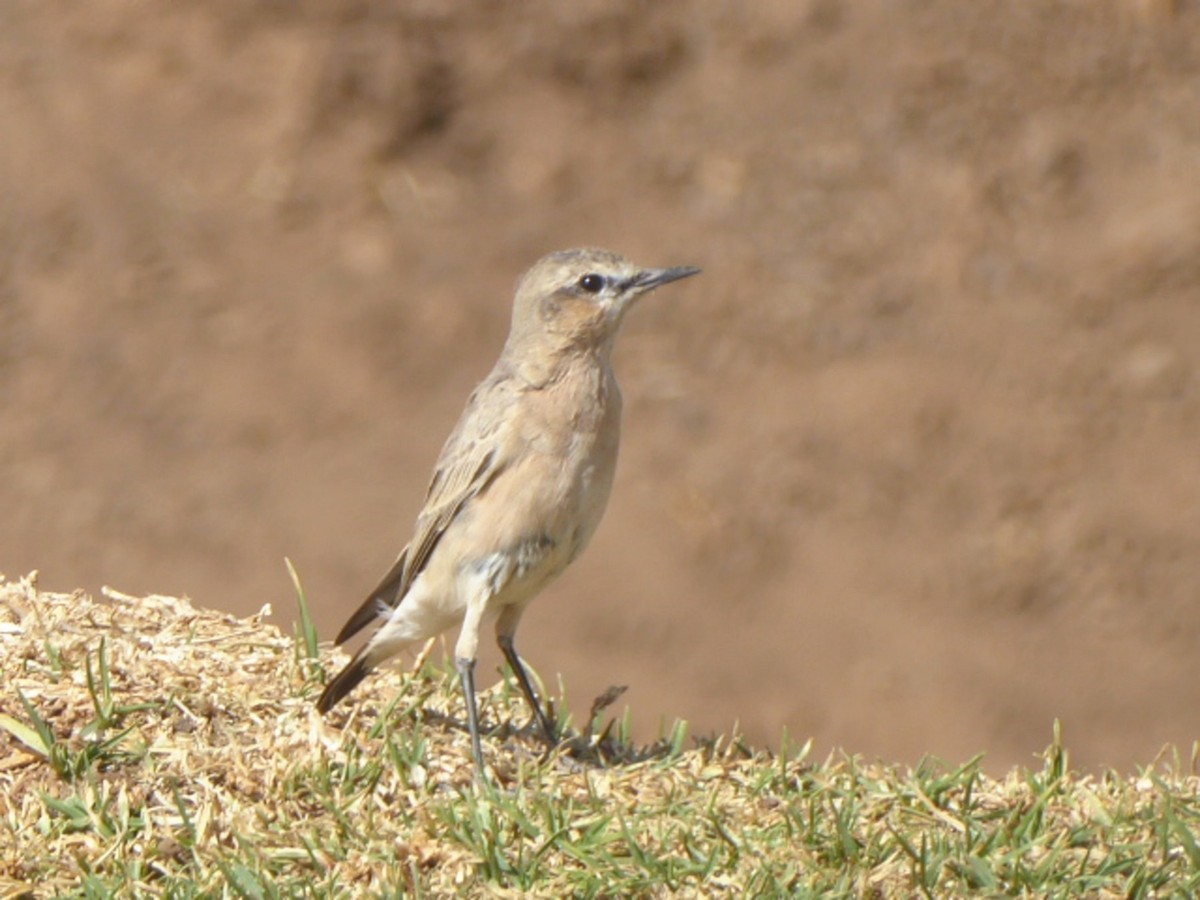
{"x":913,"y":467}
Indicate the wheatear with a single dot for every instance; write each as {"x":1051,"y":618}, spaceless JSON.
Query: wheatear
{"x":522,"y":480}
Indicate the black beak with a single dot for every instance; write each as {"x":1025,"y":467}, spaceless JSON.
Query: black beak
{"x":649,"y":279}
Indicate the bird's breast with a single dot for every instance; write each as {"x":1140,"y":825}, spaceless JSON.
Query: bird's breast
{"x":577,"y":434}
{"x":543,"y":511}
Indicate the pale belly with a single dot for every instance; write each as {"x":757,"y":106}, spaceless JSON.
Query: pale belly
{"x":518,"y":535}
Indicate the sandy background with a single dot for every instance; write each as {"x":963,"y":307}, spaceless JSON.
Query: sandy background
{"x":913,"y":467}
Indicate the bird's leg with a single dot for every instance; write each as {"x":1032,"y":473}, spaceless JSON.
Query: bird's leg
{"x":506,"y":646}
{"x":466,"y":675}
{"x":465,"y":653}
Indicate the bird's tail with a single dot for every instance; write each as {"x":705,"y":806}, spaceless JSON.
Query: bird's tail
{"x":345,"y":681}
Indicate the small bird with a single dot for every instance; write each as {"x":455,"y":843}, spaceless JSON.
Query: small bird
{"x":521,"y":482}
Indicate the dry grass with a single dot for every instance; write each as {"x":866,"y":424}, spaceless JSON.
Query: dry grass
{"x":151,"y":748}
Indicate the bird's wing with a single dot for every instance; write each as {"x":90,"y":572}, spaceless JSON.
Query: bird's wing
{"x":378,"y":602}
{"x":471,"y":459}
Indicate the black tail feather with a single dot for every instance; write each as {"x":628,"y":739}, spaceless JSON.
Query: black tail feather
{"x":343,"y":683}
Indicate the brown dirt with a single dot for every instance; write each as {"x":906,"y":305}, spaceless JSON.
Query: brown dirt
{"x":911,"y":468}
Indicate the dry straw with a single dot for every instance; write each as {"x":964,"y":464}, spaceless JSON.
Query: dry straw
{"x":150,"y":748}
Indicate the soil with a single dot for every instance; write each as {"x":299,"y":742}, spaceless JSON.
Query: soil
{"x":912,"y":468}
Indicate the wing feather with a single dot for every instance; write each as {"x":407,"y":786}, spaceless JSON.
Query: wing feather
{"x":471,"y":460}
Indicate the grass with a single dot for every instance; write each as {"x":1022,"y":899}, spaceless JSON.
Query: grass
{"x":148,"y":748}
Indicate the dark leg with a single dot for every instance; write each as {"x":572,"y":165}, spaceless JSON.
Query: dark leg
{"x":506,"y":646}
{"x":466,"y":674}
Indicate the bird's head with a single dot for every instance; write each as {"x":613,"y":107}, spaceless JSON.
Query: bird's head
{"x":575,"y":299}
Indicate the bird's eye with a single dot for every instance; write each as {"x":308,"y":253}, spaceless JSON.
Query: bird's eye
{"x":592,"y":283}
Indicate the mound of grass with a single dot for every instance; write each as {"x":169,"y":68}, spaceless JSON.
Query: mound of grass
{"x":150,"y":748}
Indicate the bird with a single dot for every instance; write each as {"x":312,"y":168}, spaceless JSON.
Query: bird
{"x":520,"y":484}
